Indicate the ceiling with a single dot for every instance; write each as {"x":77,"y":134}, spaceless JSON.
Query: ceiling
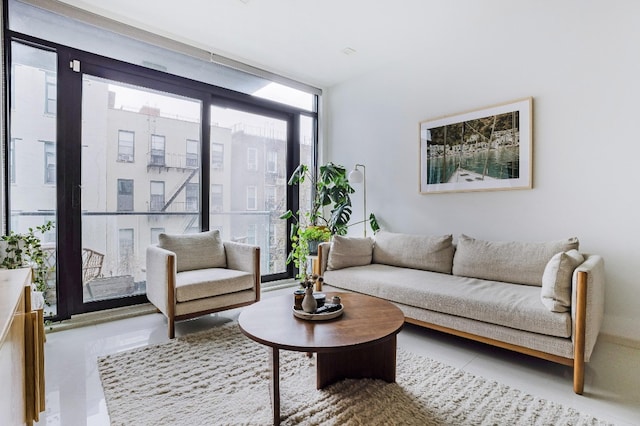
{"x":318,"y":42}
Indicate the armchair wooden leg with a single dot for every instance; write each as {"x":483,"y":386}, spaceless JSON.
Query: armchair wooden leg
{"x":172,"y":327}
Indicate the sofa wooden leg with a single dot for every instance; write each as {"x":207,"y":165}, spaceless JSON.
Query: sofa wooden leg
{"x":578,"y":378}
{"x":580,"y":333}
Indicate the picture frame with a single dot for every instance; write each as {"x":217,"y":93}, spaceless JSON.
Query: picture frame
{"x":486,"y":149}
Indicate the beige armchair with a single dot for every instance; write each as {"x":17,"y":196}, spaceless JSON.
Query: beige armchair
{"x":196,"y":274}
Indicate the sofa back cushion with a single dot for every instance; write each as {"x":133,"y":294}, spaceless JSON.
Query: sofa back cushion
{"x":349,"y":251}
{"x":507,"y":261}
{"x":429,"y":253}
{"x":195,"y":251}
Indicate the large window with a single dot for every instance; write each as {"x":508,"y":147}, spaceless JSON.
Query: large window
{"x":143,"y":152}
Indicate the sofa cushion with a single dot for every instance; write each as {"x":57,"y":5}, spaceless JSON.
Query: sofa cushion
{"x":510,"y":305}
{"x":211,"y":282}
{"x":429,"y":253}
{"x":195,"y":251}
{"x":507,"y":261}
{"x":556,"y":280}
{"x":349,"y":251}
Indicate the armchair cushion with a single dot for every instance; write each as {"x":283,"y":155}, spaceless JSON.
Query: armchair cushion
{"x":211,"y":282}
{"x":195,"y":251}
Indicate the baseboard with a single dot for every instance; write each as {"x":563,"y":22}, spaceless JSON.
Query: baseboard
{"x":620,"y":340}
{"x":98,"y":317}
{"x":92,"y":318}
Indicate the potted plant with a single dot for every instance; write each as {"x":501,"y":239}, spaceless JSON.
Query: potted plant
{"x":25,"y":250}
{"x":331,"y":189}
{"x":305,"y":243}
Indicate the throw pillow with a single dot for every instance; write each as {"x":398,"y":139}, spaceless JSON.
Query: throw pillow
{"x":195,"y":251}
{"x":429,"y":253}
{"x":349,"y":251}
{"x":556,"y":280}
{"x":507,"y":261}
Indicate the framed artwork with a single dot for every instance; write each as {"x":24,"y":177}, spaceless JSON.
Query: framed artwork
{"x":480,"y":150}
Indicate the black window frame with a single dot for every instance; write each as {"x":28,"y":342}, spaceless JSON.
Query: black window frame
{"x":68,"y":128}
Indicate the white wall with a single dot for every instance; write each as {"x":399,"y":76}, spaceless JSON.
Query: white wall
{"x":580,"y":62}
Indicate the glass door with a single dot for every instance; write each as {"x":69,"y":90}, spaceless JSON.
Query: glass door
{"x":248,"y":182}
{"x":31,"y":154}
{"x":114,"y":154}
{"x":140,"y":176}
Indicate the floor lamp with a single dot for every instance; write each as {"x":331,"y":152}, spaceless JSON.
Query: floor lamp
{"x":357,"y":176}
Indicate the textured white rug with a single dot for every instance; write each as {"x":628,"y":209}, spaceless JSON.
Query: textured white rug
{"x":220,"y":377}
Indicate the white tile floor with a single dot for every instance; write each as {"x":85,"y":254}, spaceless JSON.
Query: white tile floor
{"x":74,"y":394}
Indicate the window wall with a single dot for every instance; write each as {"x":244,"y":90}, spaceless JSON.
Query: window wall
{"x":145,"y":152}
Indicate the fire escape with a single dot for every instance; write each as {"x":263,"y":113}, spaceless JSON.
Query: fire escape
{"x":157,"y":161}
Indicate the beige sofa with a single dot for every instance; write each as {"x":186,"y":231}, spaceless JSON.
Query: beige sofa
{"x":541,"y":299}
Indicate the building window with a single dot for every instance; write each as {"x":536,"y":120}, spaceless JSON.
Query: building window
{"x":12,"y":160}
{"x":217,"y":156}
{"x":270,"y":195}
{"x":126,"y":146}
{"x":192,"y":197}
{"x":252,"y":198}
{"x":272,"y":162}
{"x":252,"y":159}
{"x":252,"y":234}
{"x":192,"y":153}
{"x":216,"y":198}
{"x":157,"y":150}
{"x":49,"y":162}
{"x":155,"y":233}
{"x":51,"y":93}
{"x":156,"y":203}
{"x":125,"y":195}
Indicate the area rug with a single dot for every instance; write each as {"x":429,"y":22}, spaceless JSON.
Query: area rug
{"x":220,"y":377}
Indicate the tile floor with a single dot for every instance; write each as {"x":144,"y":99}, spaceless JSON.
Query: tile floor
{"x":74,"y":394}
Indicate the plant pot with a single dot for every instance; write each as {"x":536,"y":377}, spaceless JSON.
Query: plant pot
{"x":313,"y":247}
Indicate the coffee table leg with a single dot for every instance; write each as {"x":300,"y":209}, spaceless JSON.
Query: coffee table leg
{"x":275,"y":385}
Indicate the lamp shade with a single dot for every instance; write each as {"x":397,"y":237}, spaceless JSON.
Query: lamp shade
{"x":356,"y":176}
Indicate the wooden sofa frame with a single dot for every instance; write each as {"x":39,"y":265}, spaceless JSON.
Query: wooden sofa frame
{"x":579,"y":334}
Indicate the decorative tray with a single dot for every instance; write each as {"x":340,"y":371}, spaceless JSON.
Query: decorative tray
{"x":318,"y":317}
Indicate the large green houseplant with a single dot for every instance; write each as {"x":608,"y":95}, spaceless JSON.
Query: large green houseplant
{"x":328,"y":215}
{"x":331,"y":193}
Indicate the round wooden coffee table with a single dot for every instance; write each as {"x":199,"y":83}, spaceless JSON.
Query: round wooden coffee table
{"x":359,"y":344}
